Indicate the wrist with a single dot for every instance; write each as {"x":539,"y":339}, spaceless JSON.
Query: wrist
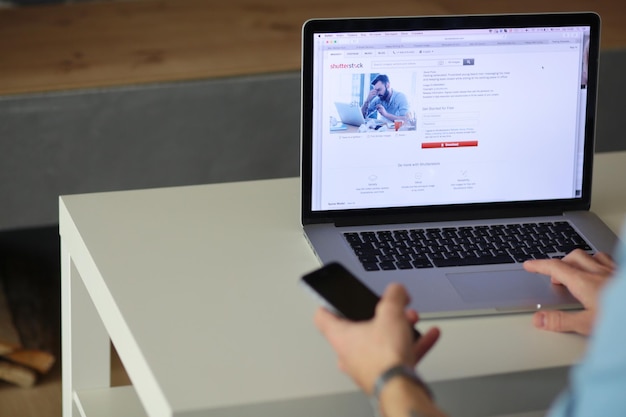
{"x":396,"y":383}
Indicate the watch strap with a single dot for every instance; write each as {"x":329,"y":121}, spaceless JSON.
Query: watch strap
{"x":391,"y":373}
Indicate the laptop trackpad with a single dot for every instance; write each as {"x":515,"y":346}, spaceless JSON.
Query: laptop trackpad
{"x":498,"y":286}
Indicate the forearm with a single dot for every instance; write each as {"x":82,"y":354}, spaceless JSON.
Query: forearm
{"x":365,"y":108}
{"x":392,"y":117}
{"x":401,"y":397}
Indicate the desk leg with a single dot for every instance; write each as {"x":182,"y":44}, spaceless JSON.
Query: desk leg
{"x":86,"y":361}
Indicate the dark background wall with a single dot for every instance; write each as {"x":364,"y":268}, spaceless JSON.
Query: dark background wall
{"x":149,"y":136}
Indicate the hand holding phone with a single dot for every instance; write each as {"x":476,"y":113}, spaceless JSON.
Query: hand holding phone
{"x":344,"y":294}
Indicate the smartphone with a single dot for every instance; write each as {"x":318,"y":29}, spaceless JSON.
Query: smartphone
{"x":344,"y":294}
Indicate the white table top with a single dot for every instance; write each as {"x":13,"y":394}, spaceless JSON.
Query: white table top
{"x":197,"y":287}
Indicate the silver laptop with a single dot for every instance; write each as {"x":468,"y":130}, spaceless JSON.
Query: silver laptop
{"x":350,"y":114}
{"x":495,"y":167}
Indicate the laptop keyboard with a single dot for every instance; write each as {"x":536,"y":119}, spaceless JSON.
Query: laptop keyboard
{"x":462,"y":246}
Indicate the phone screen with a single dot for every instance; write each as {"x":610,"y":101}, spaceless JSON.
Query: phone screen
{"x":344,"y":294}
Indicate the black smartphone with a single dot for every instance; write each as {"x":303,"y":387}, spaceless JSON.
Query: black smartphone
{"x":344,"y":294}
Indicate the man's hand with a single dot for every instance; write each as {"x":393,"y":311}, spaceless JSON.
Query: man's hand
{"x":366,"y":349}
{"x":585,"y":276}
{"x":383,"y":112}
{"x":370,"y":96}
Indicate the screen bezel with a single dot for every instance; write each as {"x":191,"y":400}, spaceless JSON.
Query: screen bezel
{"x":455,"y":211}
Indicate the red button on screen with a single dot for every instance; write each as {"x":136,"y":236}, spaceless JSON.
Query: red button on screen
{"x":451,"y":144}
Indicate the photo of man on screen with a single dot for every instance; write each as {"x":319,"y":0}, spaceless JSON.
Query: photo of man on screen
{"x":382,"y":98}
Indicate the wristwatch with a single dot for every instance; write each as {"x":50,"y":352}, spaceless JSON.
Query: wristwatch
{"x":388,"y":375}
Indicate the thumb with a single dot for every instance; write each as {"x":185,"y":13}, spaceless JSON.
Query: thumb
{"x":561,"y":321}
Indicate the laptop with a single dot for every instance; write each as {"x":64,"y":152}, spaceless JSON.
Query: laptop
{"x":350,"y":114}
{"x":495,"y":170}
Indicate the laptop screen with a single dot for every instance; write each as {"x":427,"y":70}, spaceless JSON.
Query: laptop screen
{"x":463,"y":115}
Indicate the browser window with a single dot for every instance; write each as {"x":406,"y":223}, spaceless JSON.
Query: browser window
{"x":473,"y":115}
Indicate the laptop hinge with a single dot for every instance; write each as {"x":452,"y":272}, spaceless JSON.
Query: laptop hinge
{"x":443,"y":216}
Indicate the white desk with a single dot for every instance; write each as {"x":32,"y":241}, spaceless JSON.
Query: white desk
{"x":197,"y":289}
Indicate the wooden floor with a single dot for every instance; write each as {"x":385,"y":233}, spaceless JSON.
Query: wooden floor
{"x":44,"y":399}
{"x":99,"y":44}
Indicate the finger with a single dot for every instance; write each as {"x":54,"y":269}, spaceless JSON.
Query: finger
{"x":394,"y":299}
{"x":412,"y":316}
{"x":583,"y":285}
{"x":605,"y":260}
{"x":556,"y":269}
{"x":561,"y":321}
{"x":327,"y":322}
{"x":560,"y":272}
{"x":422,"y":346}
{"x":582,"y":260}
